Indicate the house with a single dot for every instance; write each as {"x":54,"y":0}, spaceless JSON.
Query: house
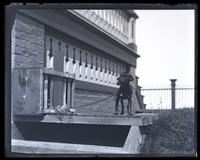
{"x":73,"y":57}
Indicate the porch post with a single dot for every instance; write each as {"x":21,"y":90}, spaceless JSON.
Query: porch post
{"x":45,"y":91}
{"x":68,"y":92}
{"x":72,"y":88}
{"x":51,"y":99}
{"x":133,"y":84}
{"x":64,"y":92}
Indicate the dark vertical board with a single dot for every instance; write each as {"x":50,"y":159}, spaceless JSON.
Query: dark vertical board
{"x":58,"y":66}
{"x":72,"y":91}
{"x":68,"y":92}
{"x":58,"y":91}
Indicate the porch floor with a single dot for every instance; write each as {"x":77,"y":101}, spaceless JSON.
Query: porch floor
{"x":139,"y":119}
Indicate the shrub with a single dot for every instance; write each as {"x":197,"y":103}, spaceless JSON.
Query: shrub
{"x":172,"y":133}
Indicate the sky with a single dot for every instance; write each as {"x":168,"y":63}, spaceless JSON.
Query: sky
{"x":165,"y":42}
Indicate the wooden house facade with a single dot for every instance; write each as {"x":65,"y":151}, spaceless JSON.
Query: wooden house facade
{"x":72,"y":58}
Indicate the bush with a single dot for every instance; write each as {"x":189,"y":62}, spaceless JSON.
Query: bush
{"x":172,"y":133}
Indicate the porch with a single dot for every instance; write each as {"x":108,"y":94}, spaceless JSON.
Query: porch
{"x":35,"y":121}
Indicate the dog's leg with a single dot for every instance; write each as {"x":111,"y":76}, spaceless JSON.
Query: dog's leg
{"x":128,"y":106}
{"x":116,"y":105}
{"x":122,"y":105}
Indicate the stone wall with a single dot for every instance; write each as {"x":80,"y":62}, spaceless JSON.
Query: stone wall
{"x":27,"y":43}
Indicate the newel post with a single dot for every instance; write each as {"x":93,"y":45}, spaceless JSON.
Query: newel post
{"x":173,"y":93}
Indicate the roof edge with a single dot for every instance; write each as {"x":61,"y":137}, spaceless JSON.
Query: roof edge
{"x":133,"y":13}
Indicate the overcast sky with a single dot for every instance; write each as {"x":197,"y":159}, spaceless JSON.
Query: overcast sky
{"x":165,"y":40}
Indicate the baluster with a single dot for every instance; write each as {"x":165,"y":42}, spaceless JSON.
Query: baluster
{"x":116,"y":70}
{"x":86,"y":66}
{"x":67,"y":59}
{"x":122,"y":27}
{"x":113,"y":22}
{"x":114,"y":31}
{"x":90,"y":15}
{"x":105,"y":71}
{"x":87,"y":13}
{"x":106,"y":20}
{"x":121,"y":21}
{"x":98,"y":18}
{"x":74,"y":62}
{"x":125,"y":28}
{"x":109,"y":73}
{"x":102,"y":18}
{"x":45,"y":92}
{"x":91,"y":67}
{"x":80,"y":65}
{"x":118,"y":24}
{"x":96,"y":68}
{"x":51,"y":56}
{"x":95,"y":16}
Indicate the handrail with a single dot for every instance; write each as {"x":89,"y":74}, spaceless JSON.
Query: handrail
{"x":58,"y":73}
{"x":139,"y":99}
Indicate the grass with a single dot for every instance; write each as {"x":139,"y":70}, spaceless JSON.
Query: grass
{"x":172,"y":133}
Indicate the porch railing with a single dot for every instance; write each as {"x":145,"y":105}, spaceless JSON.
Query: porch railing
{"x":115,"y":22}
{"x":53,"y":79}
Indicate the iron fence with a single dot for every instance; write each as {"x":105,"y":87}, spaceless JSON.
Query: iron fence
{"x":162,"y":98}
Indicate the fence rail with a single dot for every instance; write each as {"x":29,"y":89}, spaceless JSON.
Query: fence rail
{"x":168,"y":97}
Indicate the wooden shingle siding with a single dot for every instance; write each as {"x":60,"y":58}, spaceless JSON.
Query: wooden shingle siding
{"x":27,"y":43}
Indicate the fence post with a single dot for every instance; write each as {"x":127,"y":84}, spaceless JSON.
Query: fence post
{"x":173,"y":95}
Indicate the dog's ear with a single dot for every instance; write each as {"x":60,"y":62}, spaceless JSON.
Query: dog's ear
{"x":130,"y":78}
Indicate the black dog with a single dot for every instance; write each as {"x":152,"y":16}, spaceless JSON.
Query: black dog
{"x":124,"y":92}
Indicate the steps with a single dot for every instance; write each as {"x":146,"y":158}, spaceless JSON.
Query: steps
{"x":139,"y":96}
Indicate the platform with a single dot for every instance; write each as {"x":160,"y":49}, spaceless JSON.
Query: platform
{"x":79,"y":134}
{"x":140,"y":119}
